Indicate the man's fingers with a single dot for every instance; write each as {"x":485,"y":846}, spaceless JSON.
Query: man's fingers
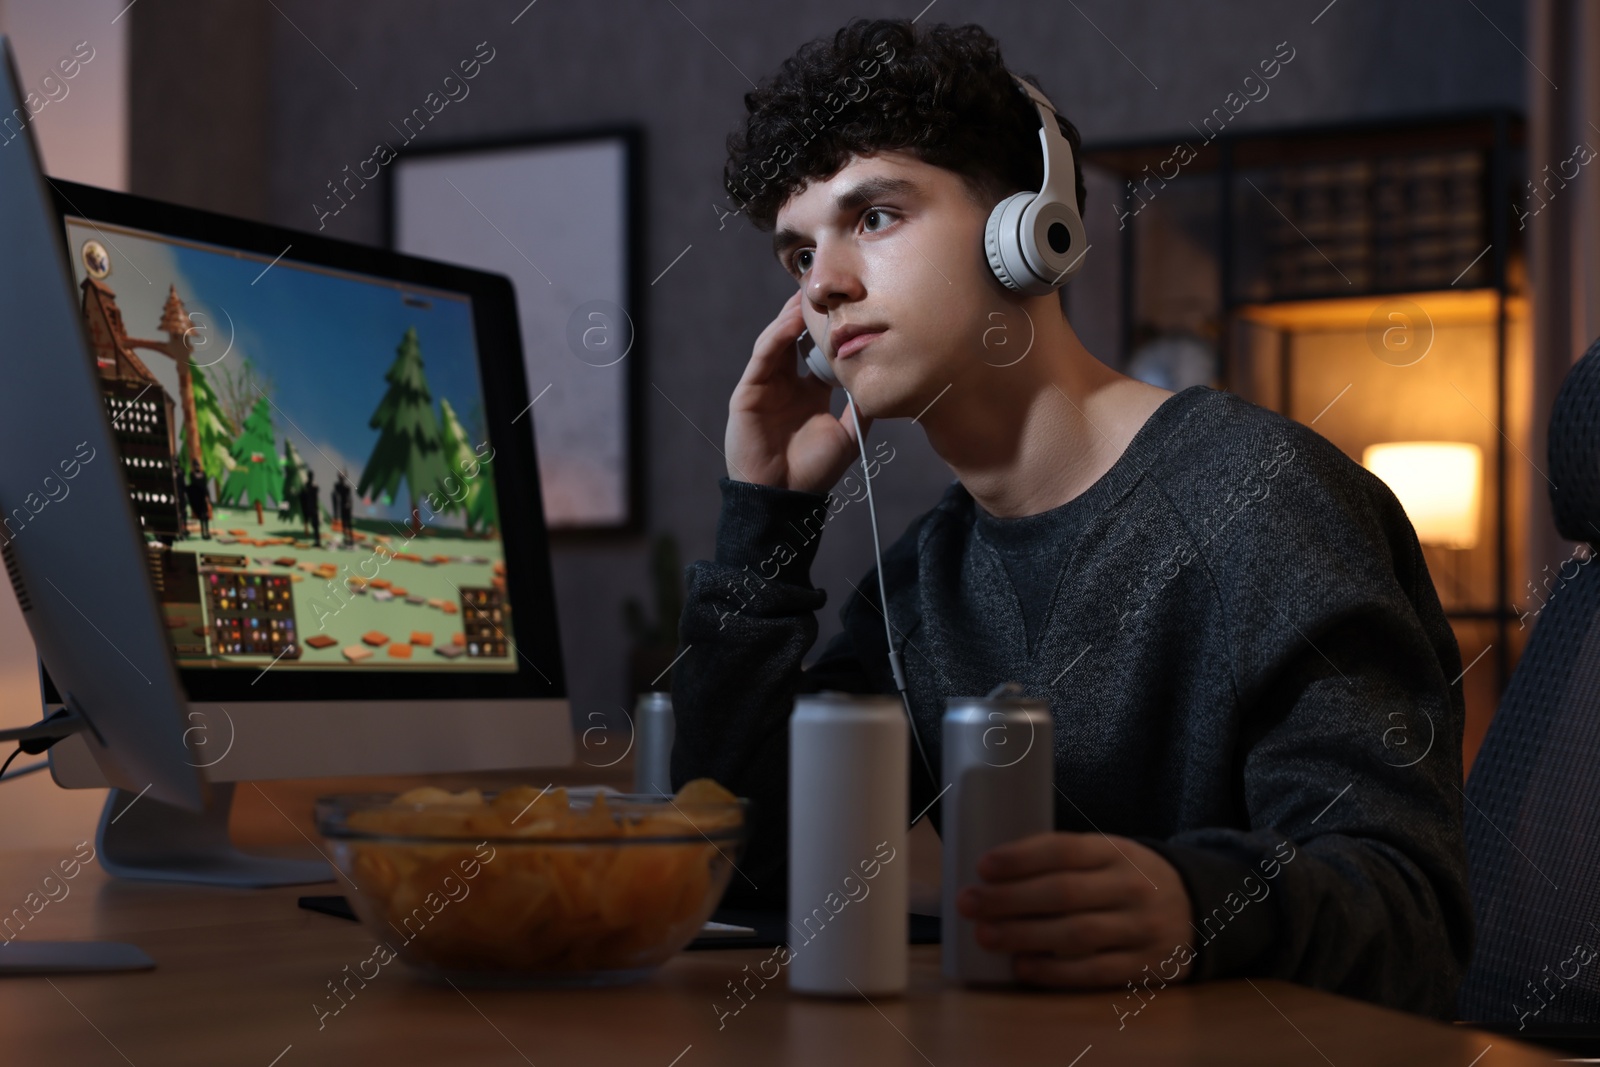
{"x":1075,"y":909}
{"x":1040,"y":853}
{"x":774,"y":352}
{"x":1056,"y":893}
{"x":1065,"y":936}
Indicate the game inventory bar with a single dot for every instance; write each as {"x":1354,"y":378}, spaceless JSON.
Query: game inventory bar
{"x":483,"y":619}
{"x":252,"y":614}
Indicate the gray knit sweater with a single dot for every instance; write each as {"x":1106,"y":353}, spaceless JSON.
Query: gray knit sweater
{"x":1246,"y":662}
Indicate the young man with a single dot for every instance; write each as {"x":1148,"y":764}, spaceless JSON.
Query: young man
{"x":1228,"y":617}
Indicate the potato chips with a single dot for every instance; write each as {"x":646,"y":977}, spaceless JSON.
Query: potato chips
{"x":528,"y":881}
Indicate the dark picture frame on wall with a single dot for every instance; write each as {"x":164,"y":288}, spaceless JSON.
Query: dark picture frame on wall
{"x":559,"y":215}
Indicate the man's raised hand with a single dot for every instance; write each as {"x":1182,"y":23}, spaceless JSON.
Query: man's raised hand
{"x":781,"y":431}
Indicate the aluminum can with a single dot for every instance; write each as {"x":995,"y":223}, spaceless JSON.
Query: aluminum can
{"x":999,"y":762}
{"x":653,"y":727}
{"x":848,"y":867}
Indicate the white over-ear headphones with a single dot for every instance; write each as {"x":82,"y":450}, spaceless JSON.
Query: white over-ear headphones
{"x":1035,"y":241}
{"x":818,"y":363}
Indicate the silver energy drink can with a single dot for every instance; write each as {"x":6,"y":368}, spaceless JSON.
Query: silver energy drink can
{"x":848,"y":771}
{"x":652,"y":733}
{"x":999,"y":762}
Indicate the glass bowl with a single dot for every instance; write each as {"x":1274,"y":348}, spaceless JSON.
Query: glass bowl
{"x":534,"y":887}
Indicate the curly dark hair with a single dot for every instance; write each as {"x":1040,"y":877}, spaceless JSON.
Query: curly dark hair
{"x":940,"y":92}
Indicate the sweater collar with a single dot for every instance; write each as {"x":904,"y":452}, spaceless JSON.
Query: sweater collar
{"x":1147,"y":445}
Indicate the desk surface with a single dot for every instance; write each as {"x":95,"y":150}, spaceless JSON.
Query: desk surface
{"x":240,"y":970}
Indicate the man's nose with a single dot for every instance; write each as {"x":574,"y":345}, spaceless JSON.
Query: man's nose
{"x":835,"y":278}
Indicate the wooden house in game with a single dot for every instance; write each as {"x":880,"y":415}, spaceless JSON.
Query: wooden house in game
{"x":141,"y":411}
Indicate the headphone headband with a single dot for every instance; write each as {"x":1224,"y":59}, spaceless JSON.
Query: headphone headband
{"x":1036,"y":241}
{"x":1058,"y":161}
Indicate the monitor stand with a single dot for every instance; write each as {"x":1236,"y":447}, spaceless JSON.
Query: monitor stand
{"x":148,"y":840}
{"x":71,"y":957}
{"x":162,"y":843}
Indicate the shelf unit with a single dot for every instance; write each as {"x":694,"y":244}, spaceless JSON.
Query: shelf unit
{"x":1291,"y":252}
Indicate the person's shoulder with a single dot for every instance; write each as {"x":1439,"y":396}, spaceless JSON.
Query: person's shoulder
{"x":1216,"y":429}
{"x":1218,"y":434}
{"x":1236,"y":470}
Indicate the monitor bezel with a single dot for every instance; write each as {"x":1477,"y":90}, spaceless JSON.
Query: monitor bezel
{"x":524,"y":539}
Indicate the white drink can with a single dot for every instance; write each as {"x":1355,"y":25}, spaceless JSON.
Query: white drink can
{"x":847,"y":845}
{"x":999,"y":761}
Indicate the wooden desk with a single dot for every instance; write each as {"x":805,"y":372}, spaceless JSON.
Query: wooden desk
{"x":239,"y":971}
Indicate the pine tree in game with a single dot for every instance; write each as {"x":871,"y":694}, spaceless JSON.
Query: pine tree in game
{"x":294,"y":480}
{"x":216,"y":431}
{"x":483,"y":512}
{"x":469,"y":471}
{"x":460,"y":463}
{"x":409,"y":448}
{"x":257,"y":475}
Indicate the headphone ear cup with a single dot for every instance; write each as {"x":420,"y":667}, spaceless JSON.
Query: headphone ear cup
{"x":819,"y":366}
{"x":1001,"y":240}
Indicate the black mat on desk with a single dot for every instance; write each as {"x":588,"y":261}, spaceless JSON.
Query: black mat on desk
{"x":333,"y":904}
{"x":1578,"y":1039}
{"x":771,"y":927}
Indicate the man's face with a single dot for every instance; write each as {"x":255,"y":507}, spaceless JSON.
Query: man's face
{"x":893,"y":247}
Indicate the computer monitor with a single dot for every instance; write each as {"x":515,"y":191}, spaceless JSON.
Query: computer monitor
{"x":371,"y":590}
{"x":68,"y":535}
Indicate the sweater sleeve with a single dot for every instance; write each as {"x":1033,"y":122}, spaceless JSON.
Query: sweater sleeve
{"x":749,"y":617}
{"x":1345,"y":669}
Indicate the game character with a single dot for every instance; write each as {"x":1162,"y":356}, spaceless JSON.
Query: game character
{"x":199,"y":501}
{"x":310,"y":507}
{"x":180,"y":481}
{"x":344,"y":508}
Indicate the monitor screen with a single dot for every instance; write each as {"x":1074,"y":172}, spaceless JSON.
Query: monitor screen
{"x":307,"y":452}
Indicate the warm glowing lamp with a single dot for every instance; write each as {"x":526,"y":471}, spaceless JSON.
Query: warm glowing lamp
{"x":1439,"y":483}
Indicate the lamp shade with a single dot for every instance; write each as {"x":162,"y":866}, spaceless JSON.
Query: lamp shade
{"x":1439,"y":483}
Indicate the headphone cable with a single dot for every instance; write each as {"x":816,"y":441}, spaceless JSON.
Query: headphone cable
{"x":895,"y":663}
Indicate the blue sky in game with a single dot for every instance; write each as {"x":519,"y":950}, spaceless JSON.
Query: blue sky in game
{"x":324,"y":340}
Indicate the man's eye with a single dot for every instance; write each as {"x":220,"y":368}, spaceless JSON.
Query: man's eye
{"x":802,"y":261}
{"x":875,"y":219}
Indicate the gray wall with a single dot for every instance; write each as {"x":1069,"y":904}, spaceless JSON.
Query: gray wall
{"x":251,"y":110}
